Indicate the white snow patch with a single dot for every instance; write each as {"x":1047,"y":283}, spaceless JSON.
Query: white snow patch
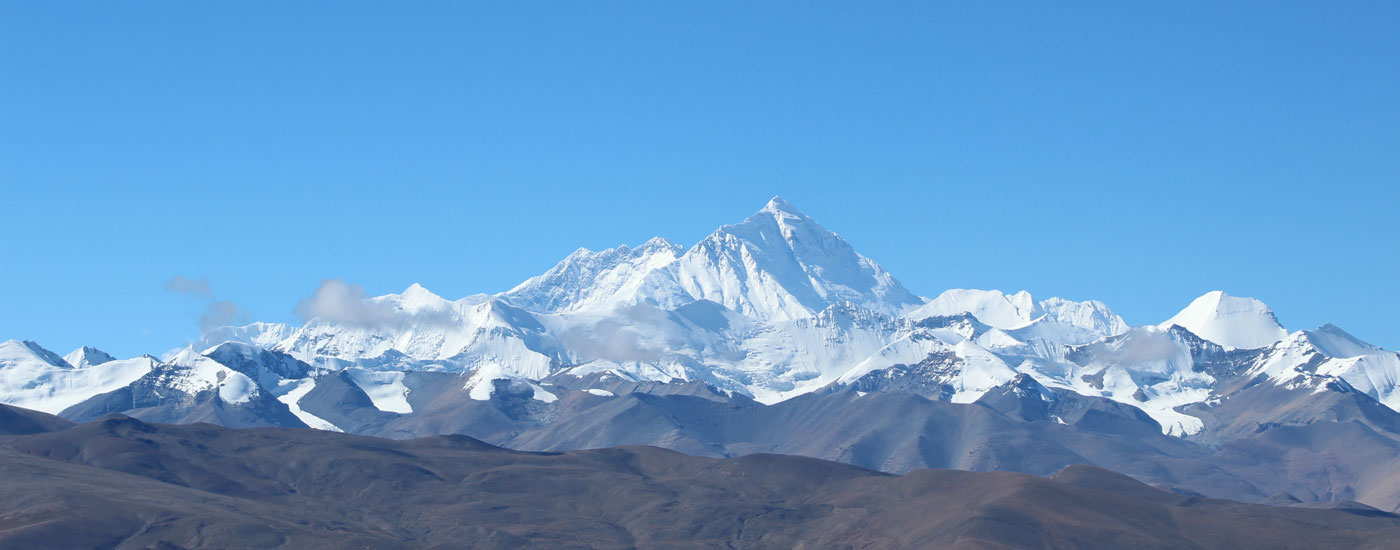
{"x":981,"y":372}
{"x":384,"y":388}
{"x":237,"y":388}
{"x":540,"y":394}
{"x":291,"y":392}
{"x":482,"y":384}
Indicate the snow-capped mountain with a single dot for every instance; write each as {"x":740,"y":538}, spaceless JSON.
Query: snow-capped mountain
{"x":777,"y":265}
{"x":781,"y":265}
{"x":421,"y":330}
{"x":1052,"y":320}
{"x":260,"y":334}
{"x":588,"y":280}
{"x":36,"y":378}
{"x":87,"y":356}
{"x":1244,"y":323}
{"x":770,"y":308}
{"x":1312,"y":359}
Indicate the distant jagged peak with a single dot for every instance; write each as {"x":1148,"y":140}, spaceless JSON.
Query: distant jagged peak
{"x":1089,"y":314}
{"x":589,"y":280}
{"x":1052,"y":318}
{"x":992,"y":307}
{"x":262,"y":334}
{"x":87,"y":356}
{"x":660,"y":244}
{"x":250,"y":359}
{"x":1233,"y":322}
{"x":622,"y":251}
{"x":1335,"y":342}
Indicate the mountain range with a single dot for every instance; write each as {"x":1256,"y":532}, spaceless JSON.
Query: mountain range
{"x":773,"y":335}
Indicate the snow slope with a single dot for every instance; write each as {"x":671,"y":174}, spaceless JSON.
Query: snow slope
{"x":1232,"y":322}
{"x":87,"y":356}
{"x":35,"y":378}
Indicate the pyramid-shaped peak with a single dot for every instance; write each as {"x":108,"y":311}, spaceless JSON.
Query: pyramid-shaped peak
{"x":416,"y":290}
{"x":417,"y":297}
{"x":780,"y":264}
{"x":778,"y":205}
{"x":1230,"y":321}
{"x":88,"y":356}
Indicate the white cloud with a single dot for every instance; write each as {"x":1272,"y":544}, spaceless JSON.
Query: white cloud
{"x":181,"y":284}
{"x":217,"y":313}
{"x":339,"y":302}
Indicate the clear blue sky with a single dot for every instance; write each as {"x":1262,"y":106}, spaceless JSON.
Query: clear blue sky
{"x":1139,"y":155}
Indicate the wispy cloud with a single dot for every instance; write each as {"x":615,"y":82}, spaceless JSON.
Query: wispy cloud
{"x":221,"y":314}
{"x":217,"y":313}
{"x":1138,"y":346}
{"x":339,"y":302}
{"x":181,"y":284}
{"x":616,"y":339}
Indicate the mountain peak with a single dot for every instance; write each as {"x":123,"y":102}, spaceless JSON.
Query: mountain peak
{"x":12,"y":349}
{"x":417,"y":298}
{"x":993,"y":307}
{"x":596,"y":280}
{"x":777,"y":205}
{"x":779,"y":264}
{"x":660,"y":243}
{"x":1234,"y":322}
{"x":1335,"y":342}
{"x":418,"y":292}
{"x":88,"y":356}
{"x":1054,"y":319}
{"x":27,"y":354}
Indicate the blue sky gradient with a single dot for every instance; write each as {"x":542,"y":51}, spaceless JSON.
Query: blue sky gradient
{"x":1139,"y":155}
